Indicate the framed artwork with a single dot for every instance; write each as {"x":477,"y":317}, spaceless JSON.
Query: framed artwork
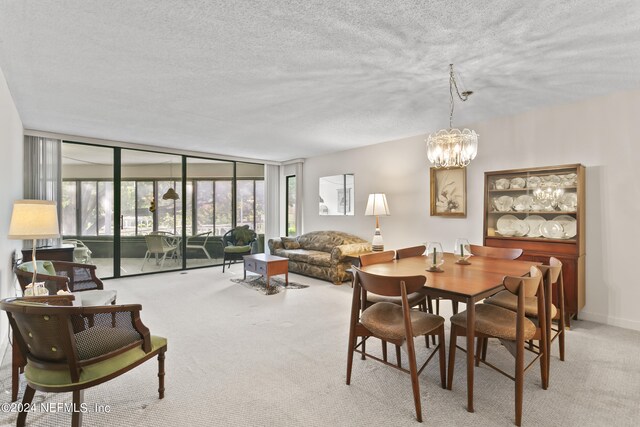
{"x":449,"y":192}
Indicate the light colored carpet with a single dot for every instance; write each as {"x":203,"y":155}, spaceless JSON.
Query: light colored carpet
{"x":238,"y":358}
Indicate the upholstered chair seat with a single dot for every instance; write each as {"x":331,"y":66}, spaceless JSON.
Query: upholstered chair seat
{"x":386,"y":320}
{"x":495,"y":321}
{"x":506,"y":299}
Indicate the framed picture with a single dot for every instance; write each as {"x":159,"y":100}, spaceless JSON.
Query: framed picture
{"x":449,"y":192}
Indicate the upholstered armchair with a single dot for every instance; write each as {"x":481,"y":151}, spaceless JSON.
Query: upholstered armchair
{"x":75,"y":348}
{"x":67,"y":276}
{"x":237,"y":243}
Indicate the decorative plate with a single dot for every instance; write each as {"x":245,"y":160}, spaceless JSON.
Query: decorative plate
{"x":523,"y":203}
{"x":534,"y":182}
{"x":503,"y":203}
{"x":518,"y":182}
{"x":568,"y":202}
{"x":502,"y":184}
{"x":569,"y":180}
{"x":534,"y":222}
{"x":551,"y":181}
{"x":569,"y":225}
{"x":552,"y":230}
{"x":509,"y":225}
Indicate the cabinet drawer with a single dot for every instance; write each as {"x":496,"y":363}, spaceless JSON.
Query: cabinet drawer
{"x":262,"y":268}
{"x":250,"y":265}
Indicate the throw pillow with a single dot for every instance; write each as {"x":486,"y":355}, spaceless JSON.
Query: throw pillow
{"x":290,"y":242}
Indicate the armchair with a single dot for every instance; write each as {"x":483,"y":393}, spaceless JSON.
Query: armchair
{"x":194,"y":245}
{"x":67,"y":276}
{"x":237,"y":243}
{"x":65,"y":352}
{"x":81,"y":253}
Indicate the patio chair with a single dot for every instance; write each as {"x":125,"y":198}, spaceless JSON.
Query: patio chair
{"x":237,"y":243}
{"x":81,"y":253}
{"x":158,"y":244}
{"x":195,"y":245}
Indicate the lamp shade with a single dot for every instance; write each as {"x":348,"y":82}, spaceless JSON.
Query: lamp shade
{"x":34,"y":219}
{"x":377,"y":205}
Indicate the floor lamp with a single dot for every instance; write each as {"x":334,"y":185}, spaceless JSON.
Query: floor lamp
{"x":33,"y":220}
{"x":377,"y":205}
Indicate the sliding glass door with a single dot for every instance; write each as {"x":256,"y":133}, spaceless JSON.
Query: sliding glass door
{"x":139,"y":212}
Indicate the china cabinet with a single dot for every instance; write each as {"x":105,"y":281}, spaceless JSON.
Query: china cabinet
{"x":541,"y":211}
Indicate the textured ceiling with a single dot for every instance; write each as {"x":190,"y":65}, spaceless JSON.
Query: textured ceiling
{"x":281,"y":79}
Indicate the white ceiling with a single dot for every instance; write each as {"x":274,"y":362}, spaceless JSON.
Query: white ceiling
{"x":282,"y":79}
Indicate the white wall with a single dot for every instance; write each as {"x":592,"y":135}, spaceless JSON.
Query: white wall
{"x":11,"y":141}
{"x":600,"y":133}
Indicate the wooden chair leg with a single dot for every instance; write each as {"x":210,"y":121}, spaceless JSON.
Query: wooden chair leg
{"x":76,"y":415}
{"x":454,"y":307}
{"x":479,"y":347}
{"x":485,"y":344}
{"x":384,"y":350}
{"x":161,"y":357}
{"x":413,"y":368}
{"x":519,"y":382}
{"x":398,"y":356}
{"x":438,"y":306}
{"x":430,"y":304}
{"x":452,"y":355}
{"x":442,"y":356}
{"x":364,"y":348}
{"x":26,"y":402}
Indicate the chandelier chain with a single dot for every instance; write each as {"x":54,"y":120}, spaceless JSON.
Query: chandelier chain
{"x":463,"y":97}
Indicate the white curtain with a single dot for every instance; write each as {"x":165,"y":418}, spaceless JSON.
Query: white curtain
{"x":271,"y":203}
{"x":299,"y":198}
{"x":43,"y":174}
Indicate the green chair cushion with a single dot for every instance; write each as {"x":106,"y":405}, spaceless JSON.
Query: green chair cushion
{"x":62,"y":378}
{"x":42,"y":267}
{"x":237,"y":249}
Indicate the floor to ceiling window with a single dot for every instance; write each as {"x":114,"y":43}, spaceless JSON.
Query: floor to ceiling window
{"x":88,"y":203}
{"x":152,"y":200}
{"x":290,"y":216}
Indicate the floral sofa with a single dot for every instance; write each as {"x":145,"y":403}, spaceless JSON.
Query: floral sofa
{"x":325,"y":255}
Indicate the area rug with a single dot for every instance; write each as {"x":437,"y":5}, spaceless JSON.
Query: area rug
{"x":276,"y":285}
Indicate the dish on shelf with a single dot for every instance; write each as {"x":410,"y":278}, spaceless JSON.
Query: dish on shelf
{"x":534,"y":222}
{"x":569,"y":180}
{"x":523,"y":203}
{"x":509,"y":225}
{"x":568,"y":202}
{"x":569,"y":225}
{"x":518,"y":182}
{"x":552,"y":230}
{"x":534,"y":182}
{"x":551,"y":181}
{"x":503,"y":203}
{"x":502,"y":184}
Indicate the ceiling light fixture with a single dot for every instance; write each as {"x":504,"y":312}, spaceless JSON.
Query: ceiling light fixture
{"x":449,"y":148}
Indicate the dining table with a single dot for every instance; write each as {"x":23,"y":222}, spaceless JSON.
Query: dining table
{"x":468,"y":284}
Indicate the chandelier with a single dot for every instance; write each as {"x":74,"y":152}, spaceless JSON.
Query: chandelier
{"x":452,"y":147}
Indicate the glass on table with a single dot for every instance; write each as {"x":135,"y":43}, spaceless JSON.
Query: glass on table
{"x":435,"y":256}
{"x":462,"y":251}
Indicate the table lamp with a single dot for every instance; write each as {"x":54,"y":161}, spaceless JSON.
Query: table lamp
{"x":377,"y":205}
{"x":32,"y":220}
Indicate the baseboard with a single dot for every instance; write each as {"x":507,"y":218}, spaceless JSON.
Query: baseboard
{"x":610,"y":320}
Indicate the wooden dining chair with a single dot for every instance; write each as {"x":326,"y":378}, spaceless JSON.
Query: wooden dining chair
{"x":415,"y":251}
{"x":490,"y":252}
{"x":415,"y":299}
{"x":512,"y":327}
{"x":395,"y":323}
{"x":552,"y":274}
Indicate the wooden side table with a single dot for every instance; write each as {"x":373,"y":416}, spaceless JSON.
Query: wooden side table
{"x":267,"y":266}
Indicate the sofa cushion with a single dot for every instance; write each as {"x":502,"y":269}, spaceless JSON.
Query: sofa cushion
{"x":290,"y":242}
{"x":42,"y":267}
{"x":310,"y":257}
{"x":325,"y":241}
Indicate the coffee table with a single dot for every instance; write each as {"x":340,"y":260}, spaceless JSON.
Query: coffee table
{"x":267,"y":265}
